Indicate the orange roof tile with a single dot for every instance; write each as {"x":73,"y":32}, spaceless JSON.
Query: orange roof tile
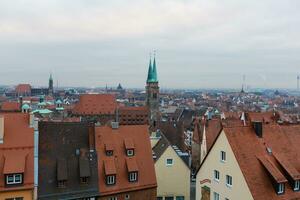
{"x":14,"y":162}
{"x":143,"y":157}
{"x":128,"y":143}
{"x":10,"y":106}
{"x":109,"y":167}
{"x":131,"y":165}
{"x":95,"y":104}
{"x":23,"y":88}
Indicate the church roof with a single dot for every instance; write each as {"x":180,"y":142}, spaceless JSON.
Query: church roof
{"x":152,"y":73}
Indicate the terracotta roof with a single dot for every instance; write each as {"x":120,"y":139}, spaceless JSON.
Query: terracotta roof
{"x":10,"y":106}
{"x":254,"y":159}
{"x":96,"y":104}
{"x":129,"y":144}
{"x":16,"y":151}
{"x":212,"y":130}
{"x":131,"y":165}
{"x":142,"y":155}
{"x":23,"y":88}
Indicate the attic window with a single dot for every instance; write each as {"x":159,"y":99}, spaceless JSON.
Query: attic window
{"x":130,"y":152}
{"x":297,"y":185}
{"x":111,"y":180}
{"x":133,"y":176}
{"x":61,"y":184}
{"x":109,"y":153}
{"x":84,"y":180}
{"x":12,"y":179}
{"x":280,"y":189}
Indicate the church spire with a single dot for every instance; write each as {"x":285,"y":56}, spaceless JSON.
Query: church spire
{"x":154,"y":73}
{"x":149,"y":78}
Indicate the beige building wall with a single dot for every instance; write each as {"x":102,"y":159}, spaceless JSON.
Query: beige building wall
{"x":172,"y":180}
{"x":205,"y":176}
{"x":26,"y":194}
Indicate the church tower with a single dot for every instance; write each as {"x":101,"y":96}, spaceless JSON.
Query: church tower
{"x":50,"y":86}
{"x":152,"y":92}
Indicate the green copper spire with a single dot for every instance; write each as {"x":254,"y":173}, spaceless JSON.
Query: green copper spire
{"x":149,"y":78}
{"x":154,"y":73}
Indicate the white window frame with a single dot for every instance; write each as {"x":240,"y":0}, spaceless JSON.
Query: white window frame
{"x":280,"y":188}
{"x":297,"y":185}
{"x":111,"y":179}
{"x":223,"y":158}
{"x":113,"y":198}
{"x":216,"y":175}
{"x":216,"y":196}
{"x":130,"y":152}
{"x":228,"y":180}
{"x":13,"y":176}
{"x":168,"y":163}
{"x":133,"y":176}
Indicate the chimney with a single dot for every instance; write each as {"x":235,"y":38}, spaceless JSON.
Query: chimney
{"x":258,"y":128}
{"x":1,"y":129}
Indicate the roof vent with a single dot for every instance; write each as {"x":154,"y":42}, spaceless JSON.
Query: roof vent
{"x":114,"y":125}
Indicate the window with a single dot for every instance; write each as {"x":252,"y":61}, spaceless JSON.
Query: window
{"x":216,"y":175}
{"x":216,"y":196}
{"x":61,"y":184}
{"x":169,"y":161}
{"x":297,"y":185}
{"x":111,"y":180}
{"x":84,"y":179}
{"x":13,"y":179}
{"x":179,"y":197}
{"x":113,"y":198}
{"x":130,"y":152}
{"x":133,"y":176}
{"x":280,"y":188}
{"x":226,"y":199}
{"x":223,"y":156}
{"x":159,"y":198}
{"x":109,"y":153}
{"x":169,"y":198}
{"x":229,"y":180}
{"x":15,"y":198}
{"x":127,"y":196}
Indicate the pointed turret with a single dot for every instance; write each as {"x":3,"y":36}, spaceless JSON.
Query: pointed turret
{"x":149,"y":78}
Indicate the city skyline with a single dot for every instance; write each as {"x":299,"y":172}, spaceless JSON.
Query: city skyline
{"x":199,"y":44}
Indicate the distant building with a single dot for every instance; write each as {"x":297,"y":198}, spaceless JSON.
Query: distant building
{"x":16,"y":157}
{"x":23,"y":90}
{"x":152,"y":94}
{"x":125,"y":164}
{"x":96,"y":107}
{"x":133,"y":115}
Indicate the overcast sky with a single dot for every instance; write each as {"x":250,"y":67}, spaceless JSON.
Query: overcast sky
{"x":199,"y":44}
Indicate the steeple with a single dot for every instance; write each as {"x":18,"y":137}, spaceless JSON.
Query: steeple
{"x":149,"y":78}
{"x":154,"y":73}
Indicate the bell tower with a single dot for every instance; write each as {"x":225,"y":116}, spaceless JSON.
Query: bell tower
{"x":152,"y":92}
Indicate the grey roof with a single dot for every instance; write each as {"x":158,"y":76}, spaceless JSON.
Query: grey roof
{"x":64,"y":155}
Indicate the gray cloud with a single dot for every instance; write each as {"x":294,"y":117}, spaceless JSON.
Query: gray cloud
{"x":203,"y":43}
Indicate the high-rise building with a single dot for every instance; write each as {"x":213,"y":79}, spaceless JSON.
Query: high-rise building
{"x":50,"y":86}
{"x":152,"y":92}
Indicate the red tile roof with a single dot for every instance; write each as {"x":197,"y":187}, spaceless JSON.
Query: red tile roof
{"x":10,"y":106}
{"x":23,"y":88}
{"x":16,"y":152}
{"x":109,"y":166}
{"x":254,"y":160}
{"x":142,"y":156}
{"x":95,"y":104}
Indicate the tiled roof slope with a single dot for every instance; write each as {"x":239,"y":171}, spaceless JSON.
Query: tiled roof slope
{"x":16,"y":151}
{"x":96,"y":104}
{"x":142,"y":156}
{"x":254,"y":159}
{"x":64,"y":154}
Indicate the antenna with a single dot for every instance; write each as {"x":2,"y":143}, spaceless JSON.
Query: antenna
{"x":298,"y":79}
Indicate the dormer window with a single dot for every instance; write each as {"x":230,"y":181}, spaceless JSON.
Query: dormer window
{"x":110,"y":179}
{"x":61,"y":183}
{"x":84,"y":180}
{"x":109,"y":153}
{"x":12,"y":179}
{"x":280,"y":189}
{"x":130,"y":152}
{"x":297,"y":185}
{"x":133,"y":176}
